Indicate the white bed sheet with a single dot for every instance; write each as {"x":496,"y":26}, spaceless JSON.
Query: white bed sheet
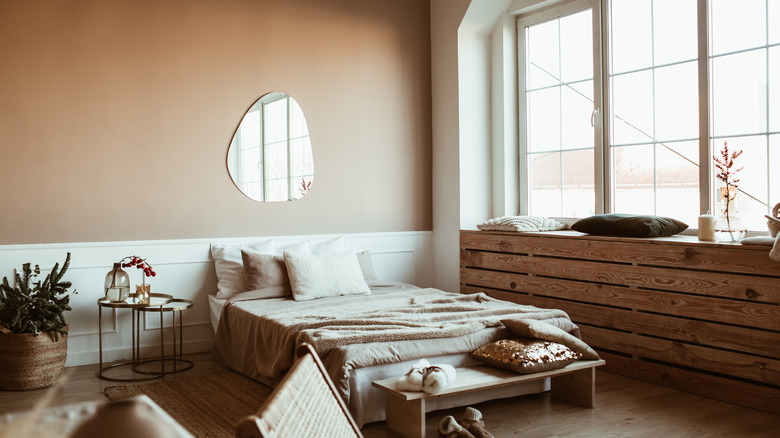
{"x":367,"y":403}
{"x":215,"y":310}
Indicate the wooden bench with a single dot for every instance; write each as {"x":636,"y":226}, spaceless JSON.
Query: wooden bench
{"x":406,"y":410}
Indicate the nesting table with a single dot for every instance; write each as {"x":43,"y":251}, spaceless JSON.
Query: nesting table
{"x":175,"y":306}
{"x":160,"y":303}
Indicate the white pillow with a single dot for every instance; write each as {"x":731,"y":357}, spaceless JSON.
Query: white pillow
{"x":331,"y":246}
{"x":367,"y":266}
{"x":300,"y":247}
{"x":230,"y":267}
{"x":324,"y":275}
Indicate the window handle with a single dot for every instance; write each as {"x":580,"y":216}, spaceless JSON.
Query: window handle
{"x":593,"y":117}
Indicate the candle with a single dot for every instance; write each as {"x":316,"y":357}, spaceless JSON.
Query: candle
{"x":707,"y":227}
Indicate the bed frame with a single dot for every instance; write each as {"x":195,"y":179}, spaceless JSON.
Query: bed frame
{"x":695,"y":316}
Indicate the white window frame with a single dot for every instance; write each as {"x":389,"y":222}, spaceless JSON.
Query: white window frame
{"x":598,"y":95}
{"x":602,"y":150}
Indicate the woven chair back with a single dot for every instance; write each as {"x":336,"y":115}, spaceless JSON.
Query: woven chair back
{"x":304,"y":404}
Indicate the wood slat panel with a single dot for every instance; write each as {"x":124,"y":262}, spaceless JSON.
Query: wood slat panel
{"x":748,"y":340}
{"x":751,"y":395}
{"x":675,"y":280}
{"x":728,"y":363}
{"x":676,"y":251}
{"x":766,"y":316}
{"x":699,"y":317}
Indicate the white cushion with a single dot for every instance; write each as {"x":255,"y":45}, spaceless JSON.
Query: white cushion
{"x":324,"y":275}
{"x":521,"y":223}
{"x":367,"y":266}
{"x":331,"y":246}
{"x":230,"y":267}
{"x":302,"y":247}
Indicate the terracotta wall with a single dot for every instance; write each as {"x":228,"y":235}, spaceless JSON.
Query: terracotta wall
{"x":115,"y":115}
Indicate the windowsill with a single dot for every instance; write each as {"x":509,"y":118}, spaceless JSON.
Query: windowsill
{"x":683,"y":238}
{"x":568,"y":221}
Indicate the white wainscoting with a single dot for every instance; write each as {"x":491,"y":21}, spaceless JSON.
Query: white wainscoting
{"x":184,"y":269}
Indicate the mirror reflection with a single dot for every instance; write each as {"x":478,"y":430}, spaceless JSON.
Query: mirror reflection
{"x":270,"y":158}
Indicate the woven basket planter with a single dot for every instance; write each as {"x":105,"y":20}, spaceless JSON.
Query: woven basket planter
{"x":31,"y":362}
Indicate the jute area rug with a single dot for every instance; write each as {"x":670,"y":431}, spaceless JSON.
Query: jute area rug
{"x":208,"y":406}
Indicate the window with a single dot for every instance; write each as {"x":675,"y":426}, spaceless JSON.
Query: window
{"x":559,"y":102}
{"x":621,"y":132}
{"x":274,"y":150}
{"x":744,"y":65}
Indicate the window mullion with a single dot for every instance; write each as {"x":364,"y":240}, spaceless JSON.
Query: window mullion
{"x":601,"y":104}
{"x":705,"y":167}
{"x":523,"y":117}
{"x":289,"y":151}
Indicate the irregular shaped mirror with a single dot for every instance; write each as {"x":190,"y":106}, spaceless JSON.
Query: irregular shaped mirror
{"x":269,"y":158}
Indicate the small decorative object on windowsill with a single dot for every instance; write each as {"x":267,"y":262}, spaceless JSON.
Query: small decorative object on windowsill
{"x":707,"y":227}
{"x":728,"y":225}
{"x":118,"y":282}
{"x":773,"y":222}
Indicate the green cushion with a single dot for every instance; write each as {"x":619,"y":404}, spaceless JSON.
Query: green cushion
{"x":627,"y":225}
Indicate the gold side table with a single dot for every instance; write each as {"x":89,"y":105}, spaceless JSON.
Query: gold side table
{"x":178,"y":363}
{"x":156,"y":301}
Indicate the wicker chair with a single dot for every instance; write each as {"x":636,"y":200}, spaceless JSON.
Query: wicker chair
{"x":305,"y":404}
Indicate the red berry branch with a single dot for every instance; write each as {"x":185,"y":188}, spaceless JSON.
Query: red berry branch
{"x":139,"y":263}
{"x":727,"y":174}
{"x":305,"y":186}
{"x":724,"y":165}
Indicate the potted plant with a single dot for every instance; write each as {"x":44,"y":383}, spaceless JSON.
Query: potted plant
{"x":33,"y":332}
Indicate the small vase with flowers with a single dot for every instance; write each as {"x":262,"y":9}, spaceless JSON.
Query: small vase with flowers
{"x":728,"y":225}
{"x":117,"y":282}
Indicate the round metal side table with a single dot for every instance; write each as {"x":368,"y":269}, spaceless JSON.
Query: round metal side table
{"x":178,"y":363}
{"x":156,"y":300}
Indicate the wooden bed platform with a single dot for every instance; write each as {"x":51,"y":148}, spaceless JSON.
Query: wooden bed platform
{"x":695,"y":316}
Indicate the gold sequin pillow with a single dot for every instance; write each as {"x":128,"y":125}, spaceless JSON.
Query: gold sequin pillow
{"x":526,"y":355}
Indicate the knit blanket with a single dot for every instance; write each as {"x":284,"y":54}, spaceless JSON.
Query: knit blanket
{"x":521,"y":223}
{"x":343,"y":321}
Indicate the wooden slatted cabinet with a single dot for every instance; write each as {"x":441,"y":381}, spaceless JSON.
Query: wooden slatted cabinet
{"x":695,"y":316}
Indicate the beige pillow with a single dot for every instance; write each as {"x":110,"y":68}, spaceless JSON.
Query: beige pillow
{"x":263,"y":271}
{"x":531,"y":328}
{"x":324,"y":275}
{"x":125,"y":419}
{"x":526,"y":355}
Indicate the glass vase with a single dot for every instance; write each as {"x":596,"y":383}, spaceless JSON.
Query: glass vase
{"x":729,"y":226}
{"x":117,"y":284}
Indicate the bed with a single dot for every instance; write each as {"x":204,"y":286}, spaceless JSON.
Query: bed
{"x":364,"y":329}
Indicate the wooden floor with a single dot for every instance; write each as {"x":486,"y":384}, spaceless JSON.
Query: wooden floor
{"x":624,"y":408}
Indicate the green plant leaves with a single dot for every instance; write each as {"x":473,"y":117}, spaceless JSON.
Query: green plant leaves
{"x":32,"y":307}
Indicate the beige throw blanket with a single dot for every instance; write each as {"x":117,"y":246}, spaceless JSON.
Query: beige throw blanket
{"x":399,"y":316}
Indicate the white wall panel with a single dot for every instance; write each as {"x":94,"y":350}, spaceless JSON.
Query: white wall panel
{"x":184,"y":269}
